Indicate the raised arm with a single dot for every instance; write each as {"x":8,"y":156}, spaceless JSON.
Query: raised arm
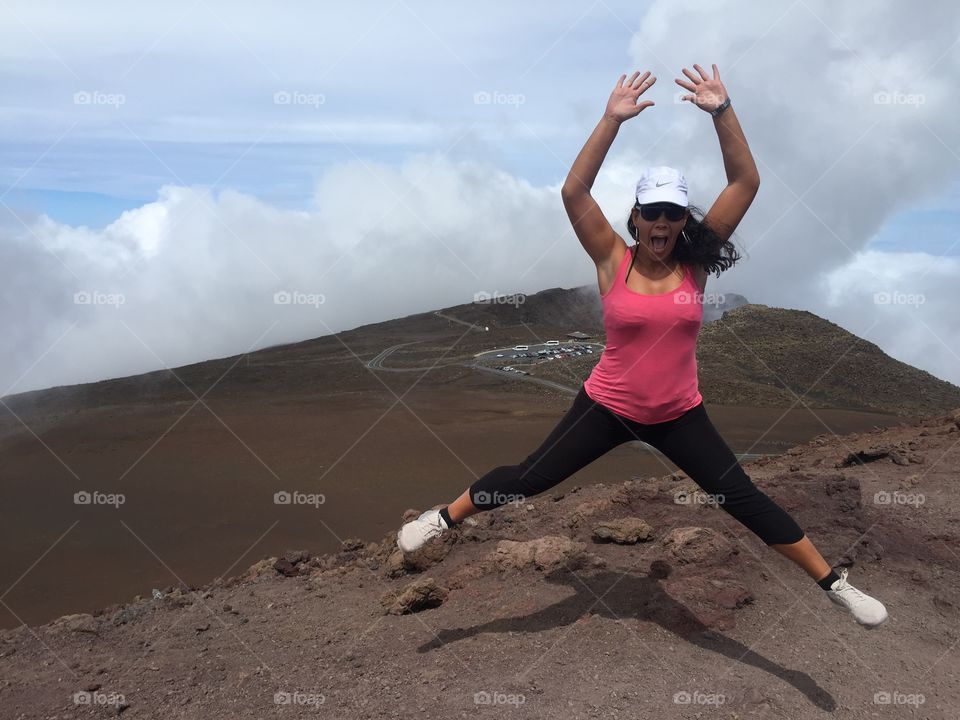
{"x":743,"y":180}
{"x":591,"y":227}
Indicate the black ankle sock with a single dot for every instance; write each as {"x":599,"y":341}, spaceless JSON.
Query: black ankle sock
{"x":445,"y":514}
{"x":828,"y":580}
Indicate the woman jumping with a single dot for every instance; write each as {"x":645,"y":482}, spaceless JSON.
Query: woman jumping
{"x":645,"y":385}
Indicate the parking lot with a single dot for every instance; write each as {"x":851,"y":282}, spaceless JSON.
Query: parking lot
{"x":513,"y":359}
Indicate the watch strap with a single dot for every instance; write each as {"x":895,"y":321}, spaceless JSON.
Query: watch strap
{"x":721,"y":107}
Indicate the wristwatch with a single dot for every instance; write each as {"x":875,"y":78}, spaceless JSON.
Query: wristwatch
{"x":721,"y":107}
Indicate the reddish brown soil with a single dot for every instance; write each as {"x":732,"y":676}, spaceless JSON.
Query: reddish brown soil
{"x":608,"y":631}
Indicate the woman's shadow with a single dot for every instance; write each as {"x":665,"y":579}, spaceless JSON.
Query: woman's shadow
{"x":643,"y":598}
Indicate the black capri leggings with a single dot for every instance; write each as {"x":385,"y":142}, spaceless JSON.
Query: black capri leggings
{"x":589,"y":430}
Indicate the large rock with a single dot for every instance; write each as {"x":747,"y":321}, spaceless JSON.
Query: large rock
{"x":295,"y":557}
{"x":286,"y":568}
{"x":417,"y":596}
{"x":625,"y":531}
{"x":546,"y":553}
{"x":587,"y":510}
{"x":687,"y":492}
{"x":259,"y":568}
{"x":896,"y":454}
{"x":79,"y":622}
{"x":636,"y":490}
{"x":394,"y":566}
{"x":697,"y":545}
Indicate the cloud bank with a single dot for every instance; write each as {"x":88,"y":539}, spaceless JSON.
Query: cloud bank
{"x":848,"y":111}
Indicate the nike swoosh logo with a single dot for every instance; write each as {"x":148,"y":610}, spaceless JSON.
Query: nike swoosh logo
{"x":663,"y":183}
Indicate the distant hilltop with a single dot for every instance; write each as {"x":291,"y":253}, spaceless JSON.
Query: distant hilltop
{"x":748,"y":355}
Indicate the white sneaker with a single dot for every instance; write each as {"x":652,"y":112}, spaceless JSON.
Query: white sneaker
{"x":866,"y":610}
{"x":414,"y":534}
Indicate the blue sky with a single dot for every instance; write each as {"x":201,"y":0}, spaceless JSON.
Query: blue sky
{"x":934,"y":230}
{"x":260,"y":147}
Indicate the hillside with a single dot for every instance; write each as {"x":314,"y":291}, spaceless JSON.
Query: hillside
{"x":761,"y":356}
{"x":754,"y":355}
{"x":614,"y":600}
{"x":375,"y":418}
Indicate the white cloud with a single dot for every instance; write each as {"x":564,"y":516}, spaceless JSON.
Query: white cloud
{"x":392,"y":234}
{"x":911,"y":298}
{"x":198,"y":273}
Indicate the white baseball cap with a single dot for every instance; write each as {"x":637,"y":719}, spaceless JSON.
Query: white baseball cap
{"x":662,"y":184}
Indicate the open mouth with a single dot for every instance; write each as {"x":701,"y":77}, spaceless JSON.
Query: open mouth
{"x":659,"y":242}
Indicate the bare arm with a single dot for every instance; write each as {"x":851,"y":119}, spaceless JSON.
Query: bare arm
{"x":594,"y":232}
{"x":743,"y":179}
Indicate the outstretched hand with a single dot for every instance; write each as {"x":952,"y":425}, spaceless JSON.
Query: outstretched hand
{"x":708,"y":93}
{"x":622,"y":104}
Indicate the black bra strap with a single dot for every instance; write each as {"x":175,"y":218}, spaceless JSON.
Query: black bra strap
{"x":633,"y":257}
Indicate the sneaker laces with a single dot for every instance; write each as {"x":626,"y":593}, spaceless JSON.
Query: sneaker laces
{"x":434,"y":523}
{"x":845,"y":587}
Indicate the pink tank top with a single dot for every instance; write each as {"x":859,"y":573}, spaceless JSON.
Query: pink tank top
{"x":648,"y":369}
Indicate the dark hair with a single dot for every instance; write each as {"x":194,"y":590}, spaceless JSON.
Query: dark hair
{"x":706,"y":248}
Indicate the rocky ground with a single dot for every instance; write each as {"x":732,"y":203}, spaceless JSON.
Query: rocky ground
{"x":632,"y":600}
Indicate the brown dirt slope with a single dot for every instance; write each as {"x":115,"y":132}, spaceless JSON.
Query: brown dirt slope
{"x":611,"y":601}
{"x":766,"y":356}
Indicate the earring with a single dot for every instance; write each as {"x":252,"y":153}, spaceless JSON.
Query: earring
{"x":684,"y":233}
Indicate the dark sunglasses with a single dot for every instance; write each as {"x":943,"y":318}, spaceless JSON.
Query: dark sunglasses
{"x":652,"y":211}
